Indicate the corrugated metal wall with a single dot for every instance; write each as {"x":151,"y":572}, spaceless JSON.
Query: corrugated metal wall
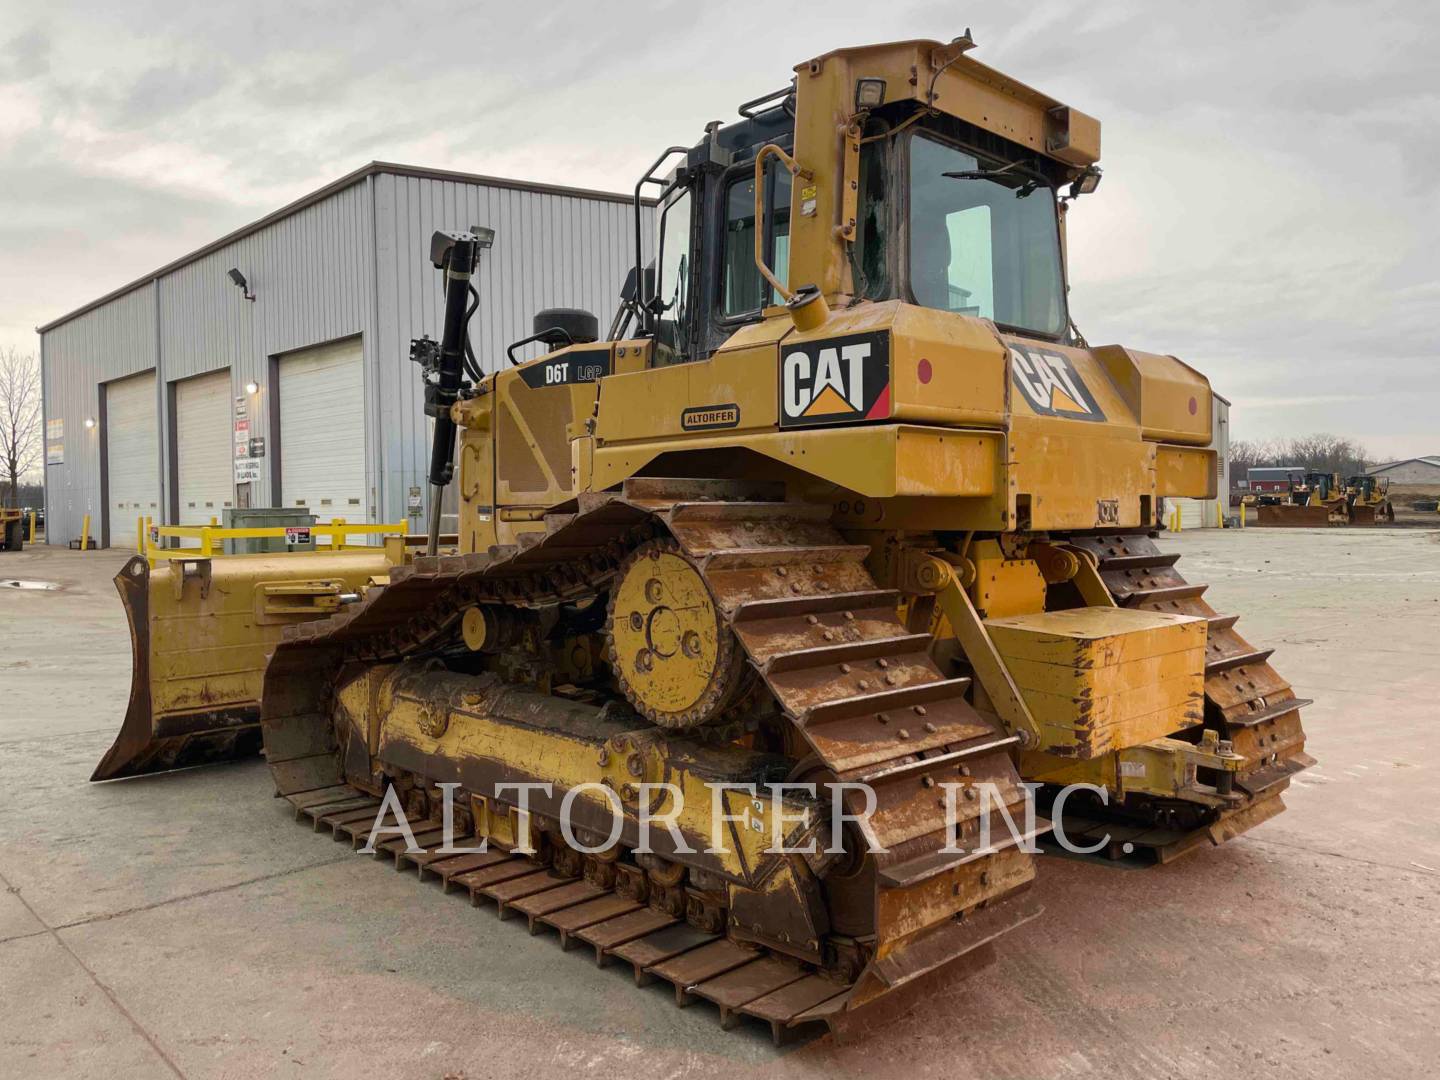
{"x":550,"y":251}
{"x":353,"y":263}
{"x":76,"y":359}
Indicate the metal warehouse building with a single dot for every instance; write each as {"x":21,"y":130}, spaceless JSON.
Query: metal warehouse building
{"x":186,"y":392}
{"x":1412,"y":472}
{"x":1210,"y":513}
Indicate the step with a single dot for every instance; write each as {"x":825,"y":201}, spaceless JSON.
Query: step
{"x":1226,"y":663}
{"x":924,"y":765}
{"x":762,"y":557}
{"x":847,"y":652}
{"x":1270,"y":712}
{"x":924,"y":867}
{"x":1138,"y":562}
{"x":905,"y":697}
{"x":786,"y":607}
{"x":1218,"y":623}
{"x":1134,"y":597}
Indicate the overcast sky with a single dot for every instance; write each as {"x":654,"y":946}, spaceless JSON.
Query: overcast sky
{"x":1268,"y":212}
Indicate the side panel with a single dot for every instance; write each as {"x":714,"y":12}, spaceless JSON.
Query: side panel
{"x":1172,"y":401}
{"x":476,"y":485}
{"x":540,"y":409}
{"x":733,"y":391}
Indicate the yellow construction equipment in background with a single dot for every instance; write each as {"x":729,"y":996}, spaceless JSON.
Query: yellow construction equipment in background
{"x":1367,"y":498}
{"x":843,"y":497}
{"x":12,"y":529}
{"x":1317,"y":499}
{"x":1320,"y":499}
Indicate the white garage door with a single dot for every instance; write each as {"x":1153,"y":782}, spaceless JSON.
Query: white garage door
{"x":322,"y":431}
{"x":1194,"y":513}
{"x":132,"y":456}
{"x":203,"y":451}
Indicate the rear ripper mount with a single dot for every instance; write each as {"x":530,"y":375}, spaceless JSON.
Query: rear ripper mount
{"x":789,"y":939}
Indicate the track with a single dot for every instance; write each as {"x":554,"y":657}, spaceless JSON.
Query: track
{"x":864,"y":701}
{"x":1246,"y":700}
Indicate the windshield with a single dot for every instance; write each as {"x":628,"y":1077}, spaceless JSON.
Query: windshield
{"x":985,"y":247}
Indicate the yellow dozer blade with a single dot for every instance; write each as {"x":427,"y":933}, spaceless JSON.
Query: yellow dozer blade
{"x":200,"y":631}
{"x":1313,"y":516}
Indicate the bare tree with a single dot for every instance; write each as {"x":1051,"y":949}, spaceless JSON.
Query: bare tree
{"x":1313,"y":453}
{"x":19,"y":420}
{"x":1247,"y":454}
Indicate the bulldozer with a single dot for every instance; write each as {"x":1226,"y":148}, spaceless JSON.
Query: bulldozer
{"x":1316,"y":499}
{"x":837,"y":552}
{"x":1367,"y":500}
{"x":12,"y":529}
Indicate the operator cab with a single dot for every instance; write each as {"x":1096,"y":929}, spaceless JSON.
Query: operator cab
{"x":951,"y":217}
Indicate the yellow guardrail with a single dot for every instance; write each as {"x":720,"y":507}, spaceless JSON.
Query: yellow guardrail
{"x":211,"y":538}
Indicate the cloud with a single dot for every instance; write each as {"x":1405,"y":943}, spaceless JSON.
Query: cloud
{"x":1266,"y":214}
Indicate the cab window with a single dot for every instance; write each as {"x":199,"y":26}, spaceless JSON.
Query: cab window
{"x":742,"y":289}
{"x":670,"y":306}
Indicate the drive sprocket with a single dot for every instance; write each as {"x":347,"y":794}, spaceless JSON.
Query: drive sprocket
{"x":672,"y":651}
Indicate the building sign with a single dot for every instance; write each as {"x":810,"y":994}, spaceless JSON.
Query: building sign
{"x":247,"y":468}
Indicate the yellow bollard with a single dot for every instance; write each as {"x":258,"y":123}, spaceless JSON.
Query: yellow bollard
{"x":85,"y":533}
{"x":1242,"y":515}
{"x":32,"y":526}
{"x":1219,"y":515}
{"x":140,"y":534}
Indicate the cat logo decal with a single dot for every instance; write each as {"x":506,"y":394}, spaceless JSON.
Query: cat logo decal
{"x":1050,"y":384}
{"x":840,"y":380}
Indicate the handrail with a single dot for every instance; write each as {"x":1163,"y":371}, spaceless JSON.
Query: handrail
{"x":793,"y":167}
{"x":212,"y":538}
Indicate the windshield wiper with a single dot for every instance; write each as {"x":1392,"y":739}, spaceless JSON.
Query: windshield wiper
{"x":1023,"y":185}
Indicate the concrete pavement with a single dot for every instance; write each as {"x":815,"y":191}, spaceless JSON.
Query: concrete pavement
{"x":185,"y":925}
